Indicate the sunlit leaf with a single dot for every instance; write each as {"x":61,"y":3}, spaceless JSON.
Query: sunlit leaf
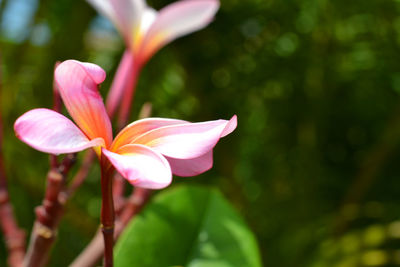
{"x":187,"y":226}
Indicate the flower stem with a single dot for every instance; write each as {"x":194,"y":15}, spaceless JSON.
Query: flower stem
{"x":124,"y":112}
{"x":93,"y":252}
{"x":107,"y":210}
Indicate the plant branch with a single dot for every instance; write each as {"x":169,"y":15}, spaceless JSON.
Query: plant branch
{"x":107,"y":210}
{"x":93,"y":252}
{"x":13,"y":235}
{"x":48,"y":215}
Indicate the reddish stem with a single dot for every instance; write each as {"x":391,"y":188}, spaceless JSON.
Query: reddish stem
{"x":107,"y":210}
{"x":120,"y":83}
{"x":93,"y":252}
{"x":124,"y":111}
{"x":48,"y":215}
{"x":13,"y":235}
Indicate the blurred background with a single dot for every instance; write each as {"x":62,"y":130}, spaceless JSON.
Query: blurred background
{"x":314,"y":165}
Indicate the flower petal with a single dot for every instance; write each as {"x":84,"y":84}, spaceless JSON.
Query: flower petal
{"x":123,"y":79}
{"x":129,"y":14}
{"x":149,"y":15}
{"x":191,"y":167}
{"x":187,"y":141}
{"x":124,"y":14}
{"x":51,"y":132}
{"x":129,"y":134}
{"x":175,"y":20}
{"x":78,"y":83}
{"x":141,"y":166}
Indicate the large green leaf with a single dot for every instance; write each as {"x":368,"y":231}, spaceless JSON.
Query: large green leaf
{"x":187,"y":226}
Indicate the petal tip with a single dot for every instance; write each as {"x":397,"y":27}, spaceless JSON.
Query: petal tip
{"x":94,"y":71}
{"x":230,"y":126}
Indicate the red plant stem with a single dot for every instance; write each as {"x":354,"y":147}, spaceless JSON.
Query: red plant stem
{"x":48,"y":216}
{"x":107,"y":210}
{"x":120,"y":82}
{"x":124,"y":112}
{"x":93,"y":252}
{"x":13,"y":235}
{"x":118,"y":192}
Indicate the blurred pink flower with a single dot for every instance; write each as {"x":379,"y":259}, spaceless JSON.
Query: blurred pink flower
{"x":145,"y":31}
{"x":146,"y":152}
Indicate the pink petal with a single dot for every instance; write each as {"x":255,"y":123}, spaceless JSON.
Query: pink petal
{"x":187,"y":141}
{"x":178,"y":19}
{"x":129,"y":14}
{"x":123,"y":80}
{"x":148,"y":17}
{"x":191,"y":167}
{"x":124,"y":14}
{"x":51,"y":132}
{"x":78,"y":84}
{"x":129,"y":134}
{"x":141,"y":166}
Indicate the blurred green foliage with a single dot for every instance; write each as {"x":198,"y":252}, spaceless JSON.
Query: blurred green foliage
{"x":314,"y":163}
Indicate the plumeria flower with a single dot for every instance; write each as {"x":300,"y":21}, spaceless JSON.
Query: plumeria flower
{"x":146,"y":152}
{"x":145,"y":31}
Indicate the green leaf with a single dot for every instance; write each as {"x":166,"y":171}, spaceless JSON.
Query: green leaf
{"x":187,"y":226}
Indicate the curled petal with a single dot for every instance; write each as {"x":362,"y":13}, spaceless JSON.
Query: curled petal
{"x":129,"y":134}
{"x":97,"y":74}
{"x":187,"y":141}
{"x":51,"y":132}
{"x":191,"y":167}
{"x":141,"y":166}
{"x":178,"y":19}
{"x":78,"y":83}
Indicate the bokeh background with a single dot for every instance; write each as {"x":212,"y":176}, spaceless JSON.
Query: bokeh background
{"x":314,"y":165}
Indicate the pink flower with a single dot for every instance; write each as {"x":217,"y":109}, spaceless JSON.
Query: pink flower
{"x":145,"y":31}
{"x":146,"y":152}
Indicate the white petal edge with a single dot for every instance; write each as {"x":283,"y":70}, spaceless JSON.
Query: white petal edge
{"x":141,"y":166}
